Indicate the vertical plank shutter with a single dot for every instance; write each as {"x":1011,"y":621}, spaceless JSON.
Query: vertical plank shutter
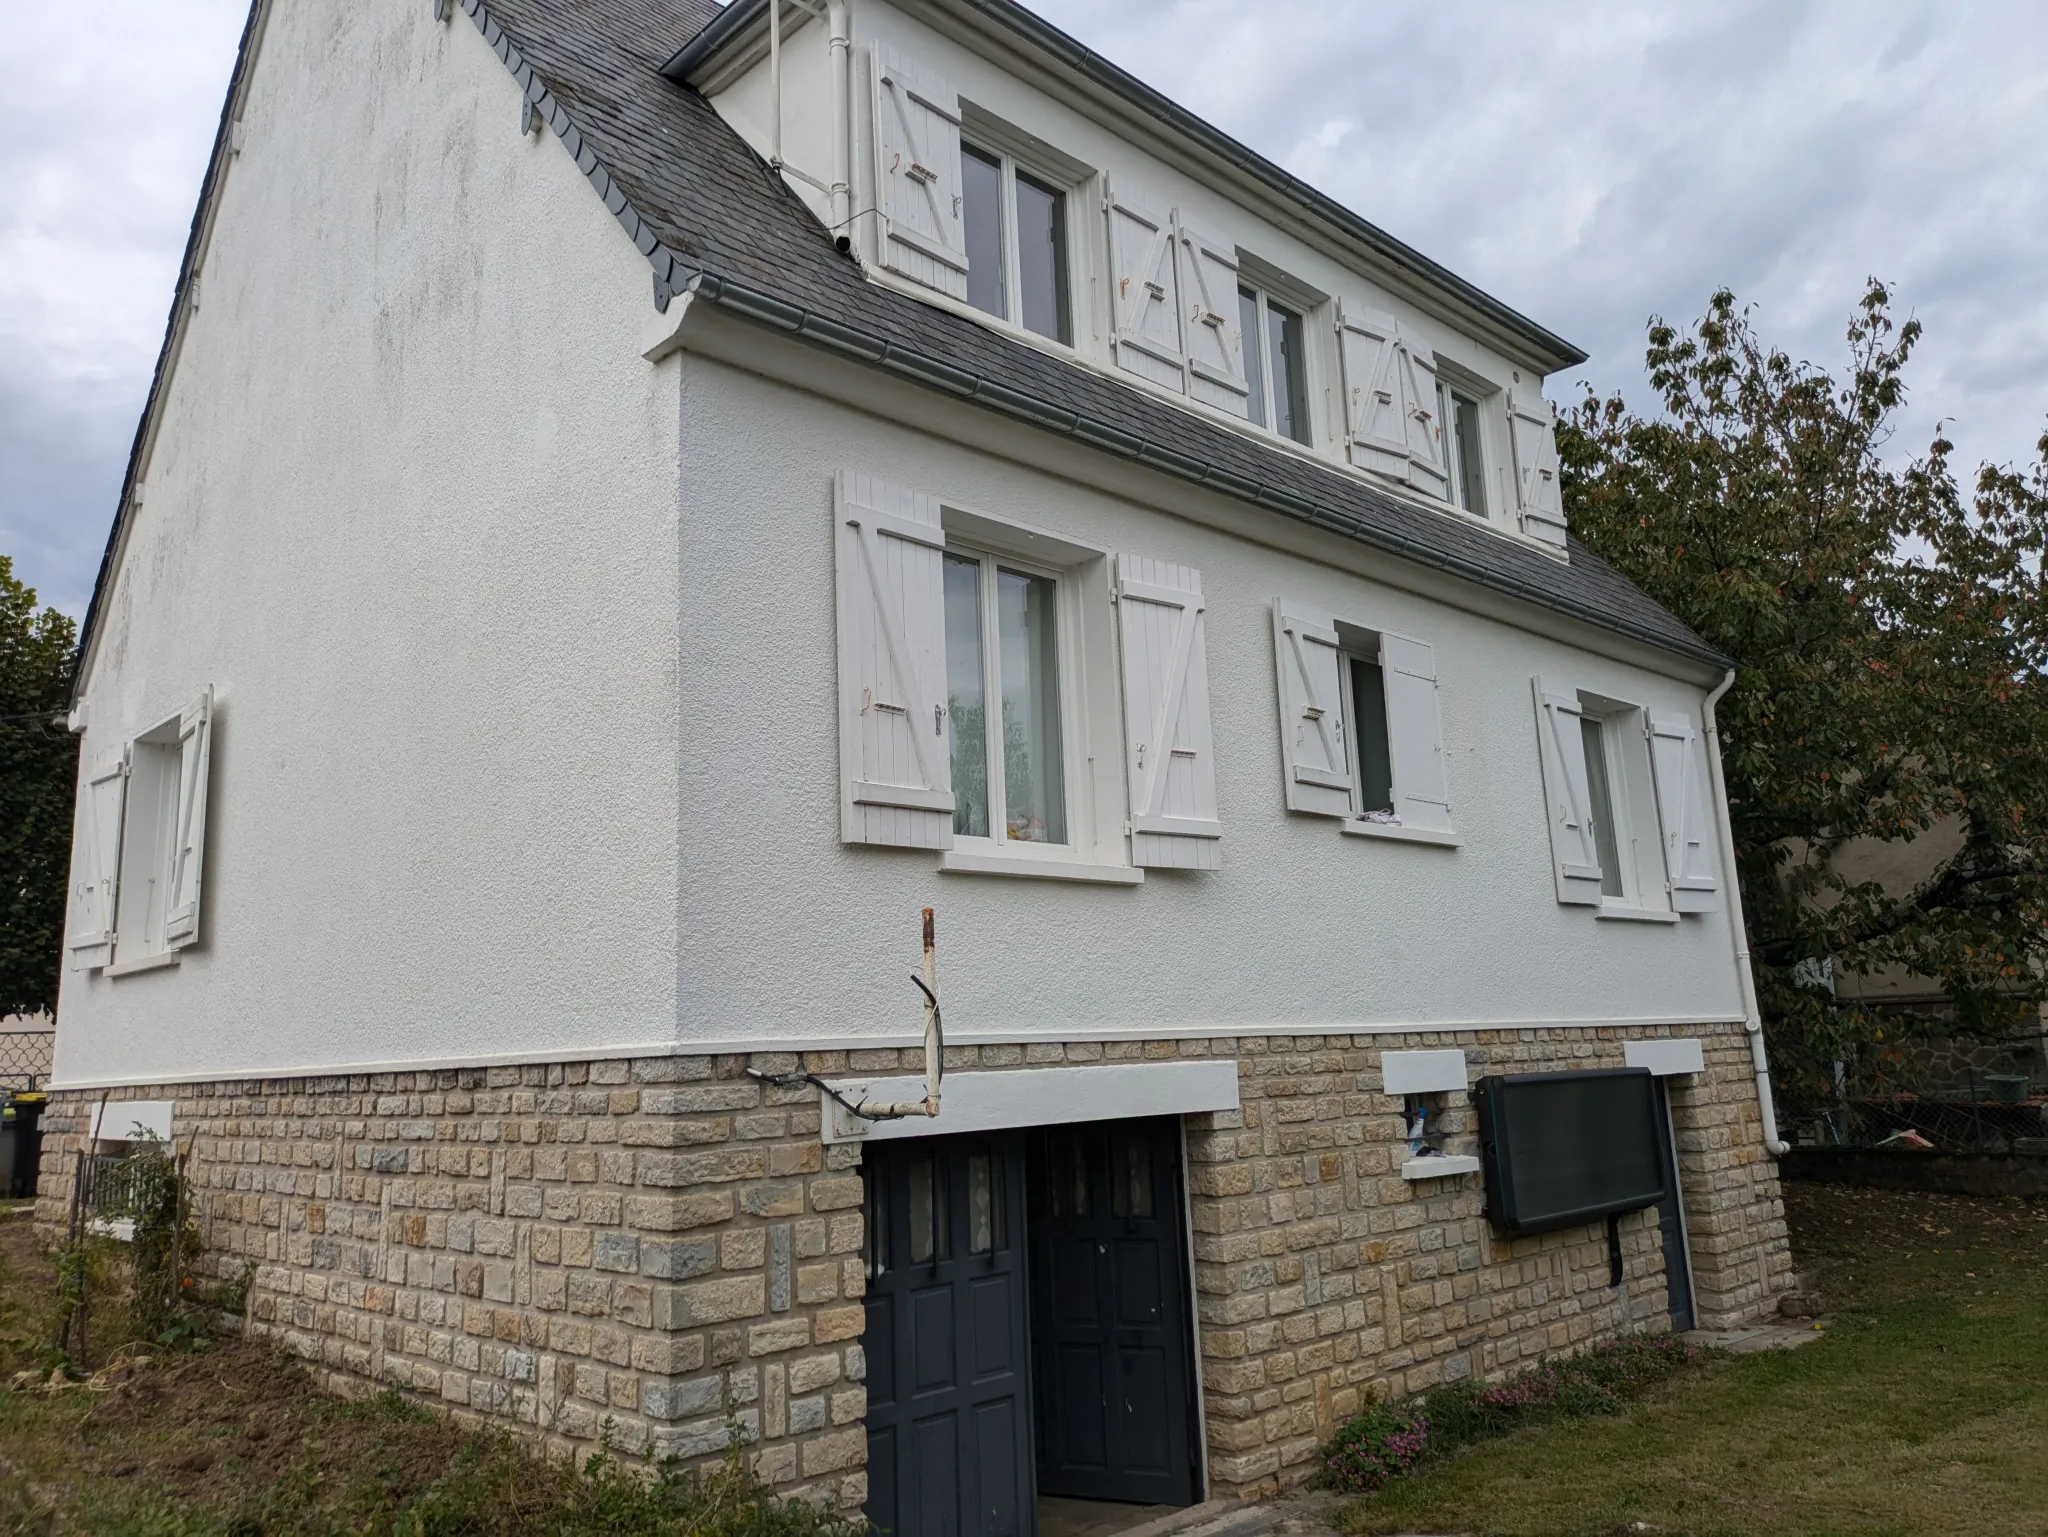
{"x":1689,"y":863}
{"x":1145,"y":292}
{"x":1315,"y":760}
{"x":895,"y":774}
{"x":1209,"y":319}
{"x":1574,"y":854}
{"x":1169,"y":763}
{"x":917,"y":138}
{"x":1427,"y":470}
{"x":1422,"y":795}
{"x":188,"y":824}
{"x":1539,"y":497}
{"x":1375,"y":429}
{"x":98,"y":871}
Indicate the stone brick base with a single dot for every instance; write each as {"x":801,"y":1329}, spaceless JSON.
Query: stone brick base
{"x":664,"y":1244}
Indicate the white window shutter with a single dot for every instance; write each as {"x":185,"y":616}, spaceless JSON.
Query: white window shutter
{"x":1539,"y":496}
{"x":1574,"y":855}
{"x":1314,"y":757}
{"x":1375,"y":427}
{"x":98,"y":872}
{"x":1209,"y":319}
{"x":917,"y":137}
{"x":1427,"y":470}
{"x":1682,"y":815}
{"x":1145,"y":292}
{"x":188,"y":825}
{"x":1169,"y":762}
{"x":1415,"y":734}
{"x":896,"y":778}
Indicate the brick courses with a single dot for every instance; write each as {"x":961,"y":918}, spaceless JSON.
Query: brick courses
{"x":664,"y":1244}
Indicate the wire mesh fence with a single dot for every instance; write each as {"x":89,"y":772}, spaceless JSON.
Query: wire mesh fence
{"x":25,"y":1058}
{"x":1974,"y":1112}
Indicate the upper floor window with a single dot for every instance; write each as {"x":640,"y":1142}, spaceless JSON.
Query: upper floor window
{"x":1016,"y":232}
{"x":1003,"y":701}
{"x":1464,"y":454}
{"x":1274,"y":365}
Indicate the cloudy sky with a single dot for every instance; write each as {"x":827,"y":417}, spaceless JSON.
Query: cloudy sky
{"x":1591,"y":162}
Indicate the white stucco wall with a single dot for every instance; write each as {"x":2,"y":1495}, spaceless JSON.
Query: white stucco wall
{"x":788,"y":933}
{"x":412,"y":513}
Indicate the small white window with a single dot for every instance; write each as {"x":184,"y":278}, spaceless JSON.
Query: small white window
{"x":163,"y":837}
{"x":1464,"y":449}
{"x":1275,"y":363}
{"x":1016,"y":230}
{"x":1004,"y":701}
{"x":1621,"y":805}
{"x":1361,"y":731}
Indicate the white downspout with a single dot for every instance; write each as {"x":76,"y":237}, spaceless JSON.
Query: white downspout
{"x":841,"y":190}
{"x":1752,"y":1015}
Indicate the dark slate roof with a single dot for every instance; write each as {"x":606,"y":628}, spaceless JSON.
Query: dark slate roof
{"x":713,"y":219}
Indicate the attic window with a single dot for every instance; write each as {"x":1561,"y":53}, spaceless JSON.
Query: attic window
{"x":1016,"y":229}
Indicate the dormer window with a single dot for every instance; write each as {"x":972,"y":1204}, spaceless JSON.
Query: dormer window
{"x":1016,"y":228}
{"x":1464,"y":455}
{"x":1274,"y":364}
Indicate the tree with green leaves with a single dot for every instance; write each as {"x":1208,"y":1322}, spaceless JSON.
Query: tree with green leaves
{"x":1890,"y":639}
{"x":38,"y":780}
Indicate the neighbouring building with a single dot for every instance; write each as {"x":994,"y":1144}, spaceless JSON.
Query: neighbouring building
{"x":638,"y":500}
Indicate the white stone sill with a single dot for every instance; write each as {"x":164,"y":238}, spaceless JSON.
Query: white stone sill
{"x":954,"y":862}
{"x":146,"y":963}
{"x":1439,"y":1168}
{"x":1620,"y":914}
{"x":1353,"y":827}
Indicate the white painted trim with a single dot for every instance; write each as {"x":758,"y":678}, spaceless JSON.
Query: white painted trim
{"x":124,"y":1115}
{"x":1422,"y":1072}
{"x":1201,"y":1030}
{"x":1351,"y":827}
{"x":145,"y":963}
{"x":121,"y":1229}
{"x":959,"y":862}
{"x":1444,"y":1167}
{"x":1666,"y":1057}
{"x":1046,"y":1096}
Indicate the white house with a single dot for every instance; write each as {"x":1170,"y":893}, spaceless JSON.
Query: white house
{"x":639,"y":500}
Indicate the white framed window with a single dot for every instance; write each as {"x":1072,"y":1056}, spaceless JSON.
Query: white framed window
{"x":1015,"y":223}
{"x":1275,"y":363}
{"x":1464,"y":443}
{"x":1361,"y":727}
{"x":1626,"y":806}
{"x":1018,"y":702}
{"x":141,"y":845}
{"x":1006,"y":695}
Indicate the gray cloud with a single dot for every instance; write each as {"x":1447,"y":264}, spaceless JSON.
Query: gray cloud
{"x":1592,"y":163}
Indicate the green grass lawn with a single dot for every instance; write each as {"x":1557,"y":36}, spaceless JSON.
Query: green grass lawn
{"x":1924,"y":1409}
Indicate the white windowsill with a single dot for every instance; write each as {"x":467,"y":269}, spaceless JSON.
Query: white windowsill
{"x":1622,"y":913}
{"x":145,"y":963}
{"x":1357,"y":827}
{"x":955,"y":862}
{"x":1439,"y":1168}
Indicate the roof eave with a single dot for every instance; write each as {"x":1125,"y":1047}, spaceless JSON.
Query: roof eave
{"x":1546,"y":347}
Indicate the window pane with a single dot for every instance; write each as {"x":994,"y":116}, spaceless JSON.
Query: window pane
{"x":1369,"y":734}
{"x":1290,"y":382}
{"x":874,"y":1232}
{"x":1042,"y":258}
{"x":981,"y":1205}
{"x":1465,"y":443}
{"x":927,"y":1212}
{"x":966,"y":697}
{"x":1254,"y":353}
{"x":1601,"y":794}
{"x":1034,"y":772}
{"x":1132,"y":1173}
{"x":981,"y":211}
